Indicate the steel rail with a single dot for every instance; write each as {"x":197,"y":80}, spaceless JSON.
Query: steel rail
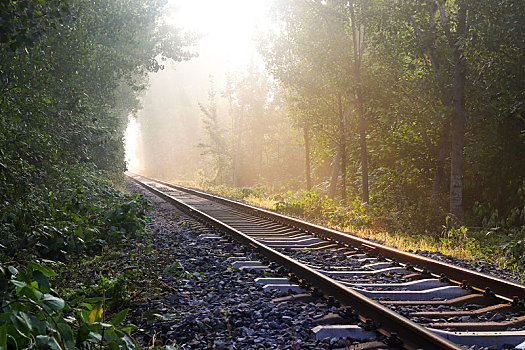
{"x":414,"y":336}
{"x":503,"y":289}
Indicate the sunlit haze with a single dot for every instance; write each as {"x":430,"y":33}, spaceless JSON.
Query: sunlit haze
{"x":130,"y":140}
{"x":227,"y":27}
{"x":227,"y":31}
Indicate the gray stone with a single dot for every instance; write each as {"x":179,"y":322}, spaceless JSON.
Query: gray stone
{"x":342,"y":331}
{"x":284,"y":288}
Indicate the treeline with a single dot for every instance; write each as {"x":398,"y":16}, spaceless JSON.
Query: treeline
{"x":71,"y":72}
{"x":247,"y":139}
{"x":415,"y":108}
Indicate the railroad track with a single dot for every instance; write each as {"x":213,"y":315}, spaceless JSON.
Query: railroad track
{"x":413,"y":301}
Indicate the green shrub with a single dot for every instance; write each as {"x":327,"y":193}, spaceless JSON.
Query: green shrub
{"x":34,"y":316}
{"x":79,"y":215}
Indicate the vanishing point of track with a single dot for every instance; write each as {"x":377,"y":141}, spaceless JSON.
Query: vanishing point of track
{"x":273,"y":235}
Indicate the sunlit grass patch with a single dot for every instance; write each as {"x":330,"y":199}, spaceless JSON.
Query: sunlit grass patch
{"x":261,"y":202}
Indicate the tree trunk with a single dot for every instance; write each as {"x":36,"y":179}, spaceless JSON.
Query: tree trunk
{"x":342,"y":127}
{"x":458,"y":120}
{"x":443,"y":150}
{"x":237,"y":160}
{"x":335,"y":173}
{"x":360,"y":113}
{"x":306,"y":130}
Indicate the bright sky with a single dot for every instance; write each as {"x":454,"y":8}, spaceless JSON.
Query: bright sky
{"x":227,"y":29}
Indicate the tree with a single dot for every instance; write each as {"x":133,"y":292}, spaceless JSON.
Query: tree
{"x":459,"y":114}
{"x":215,"y":144}
{"x":71,"y":75}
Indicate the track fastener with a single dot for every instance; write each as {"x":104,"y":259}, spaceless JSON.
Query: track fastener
{"x":443,"y":278}
{"x":393,"y":340}
{"x":369,"y":325}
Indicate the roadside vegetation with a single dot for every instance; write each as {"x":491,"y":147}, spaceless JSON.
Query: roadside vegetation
{"x":71,"y":72}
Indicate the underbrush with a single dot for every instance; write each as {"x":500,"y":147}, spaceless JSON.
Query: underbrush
{"x":61,"y":238}
{"x":79,"y":214}
{"x":403,"y":224}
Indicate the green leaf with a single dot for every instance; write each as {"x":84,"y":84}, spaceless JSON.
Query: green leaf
{"x":82,"y":335}
{"x":119,"y":317}
{"x":3,"y":337}
{"x":84,"y":314}
{"x":19,"y":284}
{"x":12,"y":269}
{"x":41,"y":278}
{"x":94,"y":300}
{"x":31,"y":293}
{"x":53,"y":302}
{"x":21,"y":325}
{"x":113,"y":346}
{"x":42,"y":341}
{"x":53,"y":344}
{"x":129,"y":328}
{"x":87,"y":306}
{"x":66,"y":334}
{"x":44,"y":269}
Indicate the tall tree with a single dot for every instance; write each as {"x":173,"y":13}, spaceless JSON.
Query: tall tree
{"x":459,"y":114}
{"x":215,"y":144}
{"x":357,"y":39}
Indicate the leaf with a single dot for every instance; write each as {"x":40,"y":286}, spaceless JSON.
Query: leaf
{"x":53,"y":302}
{"x":95,"y":314}
{"x":94,"y":300}
{"x":21,"y":325}
{"x":3,"y":336}
{"x":53,"y":344}
{"x":42,"y":341}
{"x":82,"y":335}
{"x":19,"y":284}
{"x":12,"y":269}
{"x":41,"y":278}
{"x":129,"y":328}
{"x":119,"y":317}
{"x":66,"y":334}
{"x":87,"y":306}
{"x":44,"y":269}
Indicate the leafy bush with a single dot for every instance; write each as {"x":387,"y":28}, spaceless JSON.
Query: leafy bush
{"x":79,"y":215}
{"x":34,"y":316}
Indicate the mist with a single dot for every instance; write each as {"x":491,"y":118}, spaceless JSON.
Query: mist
{"x":170,"y":137}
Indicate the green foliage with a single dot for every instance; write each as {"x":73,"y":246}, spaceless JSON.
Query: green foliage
{"x":22,"y":23}
{"x":407,"y":70}
{"x":116,"y":287}
{"x":177,"y":269}
{"x":71,"y":75}
{"x":72,"y":72}
{"x":506,"y":232}
{"x":81,"y":216}
{"x":34,"y":316}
